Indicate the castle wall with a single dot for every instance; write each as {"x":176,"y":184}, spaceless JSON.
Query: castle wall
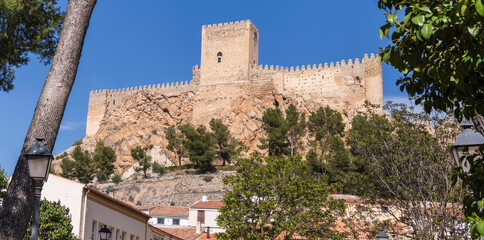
{"x":343,"y":86}
{"x":102,"y":101}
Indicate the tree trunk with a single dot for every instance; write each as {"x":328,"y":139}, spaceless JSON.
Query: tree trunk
{"x":478,"y":121}
{"x":18,"y":203}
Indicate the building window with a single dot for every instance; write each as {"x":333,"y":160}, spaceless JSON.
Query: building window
{"x":160,"y":221}
{"x":219,"y":56}
{"x":93,"y":235}
{"x":201,"y":216}
{"x":176,"y":221}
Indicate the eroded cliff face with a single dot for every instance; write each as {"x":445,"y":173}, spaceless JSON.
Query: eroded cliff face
{"x":142,"y":120}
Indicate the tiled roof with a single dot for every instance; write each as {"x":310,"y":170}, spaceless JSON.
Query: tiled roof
{"x":169,"y":211}
{"x":144,"y":207}
{"x":204,"y":237}
{"x":187,"y":233}
{"x":208,"y":204}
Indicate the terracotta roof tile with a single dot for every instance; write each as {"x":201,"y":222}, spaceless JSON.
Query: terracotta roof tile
{"x":187,"y":233}
{"x":178,"y":211}
{"x":208,"y":204}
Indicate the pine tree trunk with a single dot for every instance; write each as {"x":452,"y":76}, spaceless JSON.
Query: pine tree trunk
{"x":478,"y":121}
{"x":18,"y":203}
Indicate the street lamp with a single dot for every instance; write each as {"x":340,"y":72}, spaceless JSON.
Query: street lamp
{"x":470,"y":139}
{"x":105,"y":233}
{"x":38,"y":159}
{"x":382,"y":236}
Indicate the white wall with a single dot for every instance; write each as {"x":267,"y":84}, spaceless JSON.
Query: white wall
{"x":70,"y":195}
{"x":168,"y":221}
{"x":113,"y":219}
{"x":211,"y":215}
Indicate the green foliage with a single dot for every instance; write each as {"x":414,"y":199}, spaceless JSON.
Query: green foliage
{"x":82,"y":168}
{"x":296,"y":127}
{"x":472,"y":181}
{"x":3,"y":182}
{"x":102,"y":177}
{"x":279,"y":196}
{"x":175,"y":139}
{"x":140,"y":154}
{"x":54,"y":222}
{"x":158,"y":169}
{"x":26,"y":27}
{"x":200,"y":147}
{"x":225,"y":144}
{"x":207,"y":178}
{"x":438,"y":48}
{"x":117,"y":178}
{"x":276,"y":140}
{"x":104,"y":158}
{"x":85,"y":165}
{"x":77,"y":143}
{"x":405,"y":162}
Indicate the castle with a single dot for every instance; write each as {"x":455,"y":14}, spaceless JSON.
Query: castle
{"x":229,"y":69}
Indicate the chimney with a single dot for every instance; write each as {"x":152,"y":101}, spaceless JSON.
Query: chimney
{"x":204,"y":198}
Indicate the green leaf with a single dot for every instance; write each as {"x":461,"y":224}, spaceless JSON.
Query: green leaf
{"x":427,"y":106}
{"x":427,"y":31}
{"x":392,"y":19}
{"x":463,"y":9}
{"x":418,"y":20}
{"x":406,"y":19}
{"x":480,"y":227}
{"x":387,"y":55}
{"x":473,"y":30}
{"x":425,"y":9}
{"x":480,"y":7}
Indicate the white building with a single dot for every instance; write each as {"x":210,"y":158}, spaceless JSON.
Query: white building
{"x":205,"y":213}
{"x":91,"y":209}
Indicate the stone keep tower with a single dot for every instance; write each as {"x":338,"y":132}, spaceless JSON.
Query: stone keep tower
{"x":228,"y":51}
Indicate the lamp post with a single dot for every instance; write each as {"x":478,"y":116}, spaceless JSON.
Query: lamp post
{"x":467,"y":139}
{"x":38,"y":159}
{"x":382,"y":235}
{"x":105,"y":233}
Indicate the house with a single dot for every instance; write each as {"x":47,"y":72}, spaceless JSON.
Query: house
{"x":91,"y":209}
{"x":204,"y":213}
{"x":167,"y":216}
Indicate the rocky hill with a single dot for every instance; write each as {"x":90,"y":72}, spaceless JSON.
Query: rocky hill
{"x":181,"y":188}
{"x":142,"y":120}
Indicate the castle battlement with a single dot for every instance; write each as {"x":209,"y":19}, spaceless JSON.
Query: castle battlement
{"x":244,"y":22}
{"x":177,"y":86}
{"x":314,"y":67}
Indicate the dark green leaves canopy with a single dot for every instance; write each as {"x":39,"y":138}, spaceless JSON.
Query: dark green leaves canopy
{"x":438,"y":46}
{"x":26,"y":27}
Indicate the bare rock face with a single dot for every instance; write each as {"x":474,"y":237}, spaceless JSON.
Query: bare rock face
{"x":142,"y":120}
{"x":181,"y":188}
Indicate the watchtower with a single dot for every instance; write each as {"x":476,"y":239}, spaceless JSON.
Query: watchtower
{"x":228,"y":50}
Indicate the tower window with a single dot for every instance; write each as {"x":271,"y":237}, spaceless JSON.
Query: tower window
{"x":219,"y":55}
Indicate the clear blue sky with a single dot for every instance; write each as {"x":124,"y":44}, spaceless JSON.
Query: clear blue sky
{"x":134,"y":43}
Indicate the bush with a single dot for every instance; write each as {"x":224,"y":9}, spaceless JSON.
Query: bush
{"x":77,"y":143}
{"x":101,"y":176}
{"x":207,"y":178}
{"x":110,"y":189}
{"x":157,"y":168}
{"x":117,"y":179}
